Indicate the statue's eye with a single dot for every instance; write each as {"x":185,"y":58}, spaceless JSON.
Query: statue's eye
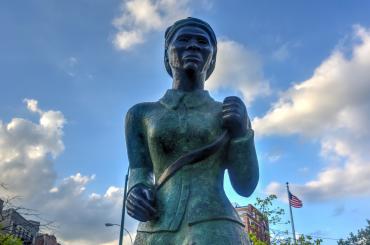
{"x":202,"y":40}
{"x":182,"y":39}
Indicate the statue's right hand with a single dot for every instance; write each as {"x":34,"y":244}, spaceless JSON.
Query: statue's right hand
{"x":140,"y":203}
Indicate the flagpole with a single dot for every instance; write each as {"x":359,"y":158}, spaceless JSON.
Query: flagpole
{"x":291,"y":213}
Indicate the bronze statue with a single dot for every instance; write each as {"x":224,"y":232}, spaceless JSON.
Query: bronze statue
{"x":180,"y":146}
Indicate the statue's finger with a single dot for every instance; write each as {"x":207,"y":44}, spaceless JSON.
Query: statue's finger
{"x":233,"y":98}
{"x":137,"y":216}
{"x":135,"y":205}
{"x":232,"y":117}
{"x":144,"y":212}
{"x":144,"y":203}
{"x":130,"y":206}
{"x":149,"y":194}
{"x":140,"y":215}
{"x":232,"y":110}
{"x":235,"y":105}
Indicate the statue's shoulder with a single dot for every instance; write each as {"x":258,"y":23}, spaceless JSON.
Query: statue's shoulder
{"x":139,"y":110}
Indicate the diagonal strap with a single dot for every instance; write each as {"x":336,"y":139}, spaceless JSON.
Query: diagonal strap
{"x":192,"y":157}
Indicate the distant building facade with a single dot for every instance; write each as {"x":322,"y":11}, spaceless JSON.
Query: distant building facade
{"x":254,"y":222}
{"x":45,"y":239}
{"x":13,"y":223}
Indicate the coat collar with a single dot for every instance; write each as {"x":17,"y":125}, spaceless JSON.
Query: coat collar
{"x":173,"y":98}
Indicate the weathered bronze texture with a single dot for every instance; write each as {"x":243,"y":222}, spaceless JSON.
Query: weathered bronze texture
{"x":180,"y":146}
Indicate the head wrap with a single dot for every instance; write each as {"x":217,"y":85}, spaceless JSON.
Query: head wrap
{"x":190,"y":21}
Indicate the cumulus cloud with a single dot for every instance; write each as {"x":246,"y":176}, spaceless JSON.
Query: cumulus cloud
{"x":27,"y":153}
{"x":332,"y":106}
{"x":141,"y":17}
{"x":239,"y":69}
{"x":27,"y":149}
{"x":81,"y":216}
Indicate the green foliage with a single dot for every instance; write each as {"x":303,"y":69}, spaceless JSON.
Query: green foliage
{"x":6,"y":239}
{"x":362,"y":237}
{"x":255,"y":240}
{"x":275,"y":216}
{"x":308,"y":240}
{"x":302,"y":240}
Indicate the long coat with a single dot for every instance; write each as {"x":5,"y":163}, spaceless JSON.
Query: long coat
{"x":157,"y":133}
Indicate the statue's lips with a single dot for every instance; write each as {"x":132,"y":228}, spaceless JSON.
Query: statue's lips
{"x":192,"y":58}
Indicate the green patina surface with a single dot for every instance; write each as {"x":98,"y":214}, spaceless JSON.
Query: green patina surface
{"x":192,"y":205}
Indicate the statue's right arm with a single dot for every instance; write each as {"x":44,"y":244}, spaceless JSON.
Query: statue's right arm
{"x":140,"y":195}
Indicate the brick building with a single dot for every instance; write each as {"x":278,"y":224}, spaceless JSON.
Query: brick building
{"x":254,"y":222}
{"x":45,"y":239}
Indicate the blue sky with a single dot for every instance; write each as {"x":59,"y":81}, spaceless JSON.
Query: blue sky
{"x":70,"y":70}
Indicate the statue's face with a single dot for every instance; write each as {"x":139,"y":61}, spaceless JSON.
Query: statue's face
{"x":190,"y":50}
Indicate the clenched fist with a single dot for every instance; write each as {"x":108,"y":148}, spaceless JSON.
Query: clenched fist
{"x":140,"y":203}
{"x":235,"y":117}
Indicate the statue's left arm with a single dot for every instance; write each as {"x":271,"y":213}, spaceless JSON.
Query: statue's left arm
{"x":140,"y":194}
{"x":241,"y":157}
{"x":243,"y":164}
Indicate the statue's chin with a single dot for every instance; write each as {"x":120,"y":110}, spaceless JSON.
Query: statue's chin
{"x":191,"y":69}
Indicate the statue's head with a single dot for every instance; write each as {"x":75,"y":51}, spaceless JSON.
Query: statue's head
{"x":190,"y":44}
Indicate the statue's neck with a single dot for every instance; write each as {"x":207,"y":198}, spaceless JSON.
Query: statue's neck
{"x":188,"y":82}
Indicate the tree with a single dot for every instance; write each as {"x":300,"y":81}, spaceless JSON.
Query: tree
{"x":275,"y":216}
{"x":7,"y":239}
{"x":255,"y":240}
{"x":362,"y":237}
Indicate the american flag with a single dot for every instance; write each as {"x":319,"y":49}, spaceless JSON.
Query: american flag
{"x":294,"y":201}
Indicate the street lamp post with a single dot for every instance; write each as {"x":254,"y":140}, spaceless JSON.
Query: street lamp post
{"x":123,"y":209}
{"x":110,"y":224}
{"x":122,"y":226}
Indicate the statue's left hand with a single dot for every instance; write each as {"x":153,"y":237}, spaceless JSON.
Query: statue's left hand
{"x":235,"y":117}
{"x":140,"y":203}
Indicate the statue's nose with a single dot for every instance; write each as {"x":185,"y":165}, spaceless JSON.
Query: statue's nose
{"x":193,"y":45}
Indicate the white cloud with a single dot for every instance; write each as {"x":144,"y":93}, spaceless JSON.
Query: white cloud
{"x":337,"y":92}
{"x":25,"y":148}
{"x":239,"y":69}
{"x":80,"y":217}
{"x":126,"y":39}
{"x":27,"y":153}
{"x":332,"y":106}
{"x":141,"y":17}
{"x":32,"y":105}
